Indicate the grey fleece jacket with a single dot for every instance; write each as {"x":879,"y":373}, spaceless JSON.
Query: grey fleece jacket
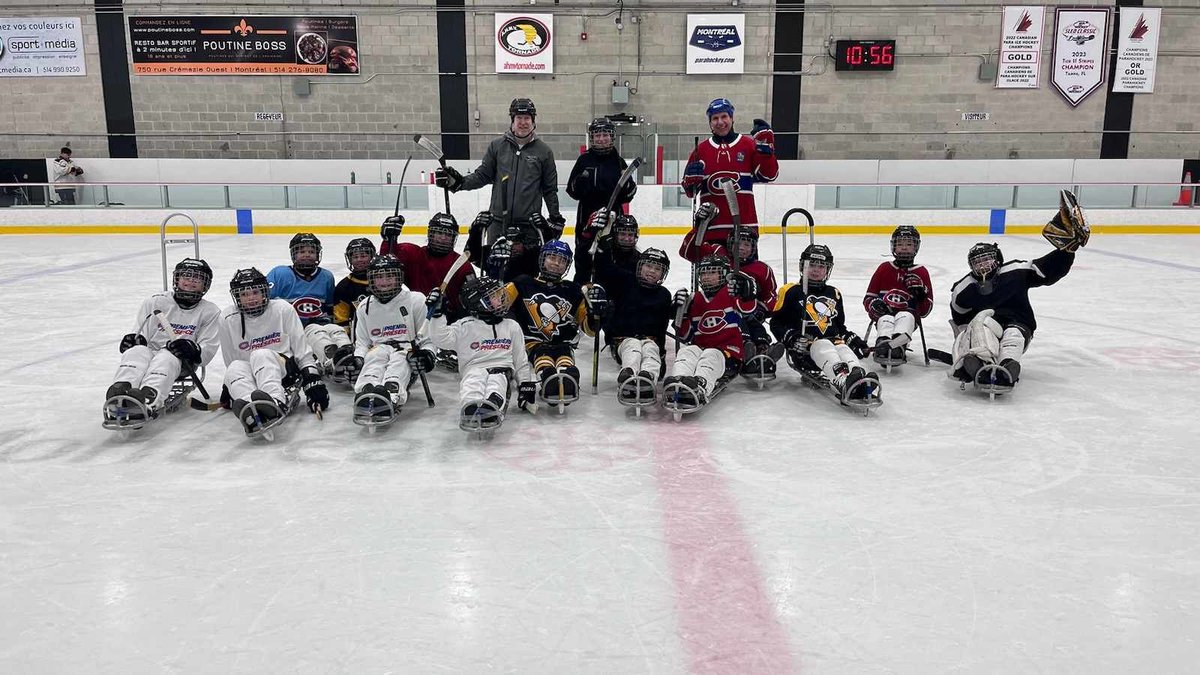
{"x":533,"y":178}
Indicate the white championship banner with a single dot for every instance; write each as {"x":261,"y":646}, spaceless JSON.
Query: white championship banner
{"x":1137,"y":49}
{"x":1080,"y":56}
{"x":523,"y":43}
{"x":1021,"y":47}
{"x":715,"y":44}
{"x":37,"y":46}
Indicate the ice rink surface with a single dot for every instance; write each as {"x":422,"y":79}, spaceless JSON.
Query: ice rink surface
{"x":1051,"y":531}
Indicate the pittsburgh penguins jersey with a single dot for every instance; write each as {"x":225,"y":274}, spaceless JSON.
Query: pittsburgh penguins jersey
{"x":889,"y":276}
{"x":278,"y":328}
{"x":548,"y":312}
{"x":312,"y":297}
{"x":715,"y":322}
{"x":1007,"y":291}
{"x":821,"y":313}
{"x":347,"y":295}
{"x":483,"y":345}
{"x":401,"y":319}
{"x":198,"y":324}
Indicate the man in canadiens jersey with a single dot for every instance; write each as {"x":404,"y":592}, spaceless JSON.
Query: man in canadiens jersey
{"x":729,"y":155}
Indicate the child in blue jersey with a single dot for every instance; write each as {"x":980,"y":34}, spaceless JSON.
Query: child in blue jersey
{"x":310,"y":289}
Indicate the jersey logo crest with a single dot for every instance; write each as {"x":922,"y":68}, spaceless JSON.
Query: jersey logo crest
{"x":714,"y":321}
{"x":308,"y":307}
{"x":549,"y":313}
{"x":821,"y":311}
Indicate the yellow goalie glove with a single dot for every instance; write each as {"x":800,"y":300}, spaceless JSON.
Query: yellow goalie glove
{"x":1068,"y":230}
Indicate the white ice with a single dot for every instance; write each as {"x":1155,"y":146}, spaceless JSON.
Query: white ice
{"x":1055,"y":530}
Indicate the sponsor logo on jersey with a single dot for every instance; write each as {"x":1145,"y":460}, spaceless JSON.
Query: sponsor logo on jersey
{"x":261,"y":341}
{"x":392,"y":330}
{"x":375,"y":332}
{"x":740,"y":157}
{"x":715,"y":38}
{"x":308,"y":307}
{"x":182,"y":329}
{"x":491,"y":344}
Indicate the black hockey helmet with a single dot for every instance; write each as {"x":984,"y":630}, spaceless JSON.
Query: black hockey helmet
{"x":816,"y":256}
{"x":355,"y":251}
{"x":601,"y":125}
{"x":484,"y":298}
{"x":305,"y":240}
{"x":525,"y":234}
{"x":984,"y":258}
{"x":902,"y":234}
{"x":626,"y":225}
{"x":555,"y":248}
{"x":652,"y":267}
{"x":251,"y":291}
{"x":385,"y":277}
{"x":748,"y":235}
{"x":443,"y":233}
{"x":195,"y":269}
{"x":708,"y":264}
{"x":522,"y":106}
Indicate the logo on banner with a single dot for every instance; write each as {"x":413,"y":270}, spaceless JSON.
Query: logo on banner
{"x":715,"y":38}
{"x":1081,"y":31}
{"x":1024,"y":24}
{"x":1139,"y":30}
{"x":524,"y":36}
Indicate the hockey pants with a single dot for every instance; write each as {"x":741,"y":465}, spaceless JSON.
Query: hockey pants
{"x":694,"y":361}
{"x":640,"y":354}
{"x":383,"y":364}
{"x":143,"y":367}
{"x":826,"y":354}
{"x":898,"y":328}
{"x":478,"y":383}
{"x":264,"y":371}
{"x":321,"y":337}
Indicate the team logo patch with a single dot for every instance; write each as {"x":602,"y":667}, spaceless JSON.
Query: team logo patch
{"x":308,"y":307}
{"x":741,"y":157}
{"x":524,"y":36}
{"x":549,"y":313}
{"x":243,"y":346}
{"x":714,"y":321}
{"x":474,"y":345}
{"x":821,"y":311}
{"x":375,"y":332}
{"x":716,"y":178}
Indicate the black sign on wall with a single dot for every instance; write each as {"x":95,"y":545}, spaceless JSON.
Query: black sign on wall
{"x":244,"y":45}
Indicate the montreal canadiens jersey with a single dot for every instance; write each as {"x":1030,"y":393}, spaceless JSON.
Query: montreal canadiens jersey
{"x":738,"y":160}
{"x":715,"y":323}
{"x":313,"y":298}
{"x":278,"y":329}
{"x":822,"y":313}
{"x":889,"y":276}
{"x":198,"y":324}
{"x":761,"y":272}
{"x":401,"y":319}
{"x":481,"y":345}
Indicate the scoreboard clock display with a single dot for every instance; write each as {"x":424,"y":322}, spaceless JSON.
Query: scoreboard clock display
{"x":865,"y":55}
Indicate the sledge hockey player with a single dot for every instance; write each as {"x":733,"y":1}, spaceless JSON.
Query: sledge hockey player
{"x":811,"y":324}
{"x":266,"y":353}
{"x":989,"y":307}
{"x":708,"y":323}
{"x":899,"y":295}
{"x":391,"y":347}
{"x":751,"y":159}
{"x":551,"y":311}
{"x":618,"y":247}
{"x":755,"y":281}
{"x":513,"y":254}
{"x":310,"y":290}
{"x":151,"y":360}
{"x":592,"y":182}
{"x":491,"y":353}
{"x":636,"y":326}
{"x":352,"y":289}
{"x":426,"y":267}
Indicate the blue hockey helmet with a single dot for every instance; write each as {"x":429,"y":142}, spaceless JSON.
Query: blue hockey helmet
{"x":719,"y":105}
{"x":557,"y":252}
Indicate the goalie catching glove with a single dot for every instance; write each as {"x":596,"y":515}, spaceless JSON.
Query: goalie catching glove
{"x":1068,"y":230}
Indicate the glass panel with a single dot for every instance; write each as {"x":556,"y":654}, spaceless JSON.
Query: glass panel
{"x":1157,"y":196}
{"x":1038,"y":196}
{"x":256,"y":197}
{"x":318,"y":197}
{"x":196,"y":196}
{"x":985,"y":196}
{"x":135,"y":195}
{"x":925,"y":197}
{"x":673,"y":197}
{"x":1111,"y":196}
{"x":826,"y":197}
{"x":865,"y":197}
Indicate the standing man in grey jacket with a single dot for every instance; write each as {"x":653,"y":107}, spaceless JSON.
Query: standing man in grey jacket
{"x":520,"y":168}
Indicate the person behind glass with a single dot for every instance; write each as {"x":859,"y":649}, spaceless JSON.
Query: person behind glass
{"x":520,"y":168}
{"x":592,"y":181}
{"x":66,"y":173}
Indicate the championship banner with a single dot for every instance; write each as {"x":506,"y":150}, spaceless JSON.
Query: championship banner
{"x":41,"y":47}
{"x":523,"y":43}
{"x":714,"y":44}
{"x":1137,"y":49}
{"x":244,"y":45}
{"x":1080,"y":59}
{"x":1021,"y":47}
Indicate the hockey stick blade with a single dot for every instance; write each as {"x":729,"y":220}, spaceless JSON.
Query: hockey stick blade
{"x":431,"y":148}
{"x":729,"y":187}
{"x":941,"y":356}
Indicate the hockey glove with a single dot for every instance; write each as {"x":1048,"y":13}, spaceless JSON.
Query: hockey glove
{"x":878,"y":308}
{"x":557,"y":223}
{"x":482,"y":221}
{"x":1068,"y":230}
{"x":916,"y":289}
{"x":764,"y":137}
{"x":584,"y":184}
{"x":856,"y":344}
{"x":132,"y":340}
{"x":742,"y":285}
{"x":315,"y":393}
{"x":598,"y":221}
{"x":346,"y":364}
{"x":597,"y":300}
{"x":795,"y":341}
{"x":421,"y":360}
{"x":448,"y":178}
{"x":683,"y":298}
{"x":526,"y":395}
{"x":435,"y":302}
{"x":693,"y":178}
{"x":185,"y":350}
{"x":500,"y":253}
{"x":703,"y":216}
{"x":392,"y":225}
